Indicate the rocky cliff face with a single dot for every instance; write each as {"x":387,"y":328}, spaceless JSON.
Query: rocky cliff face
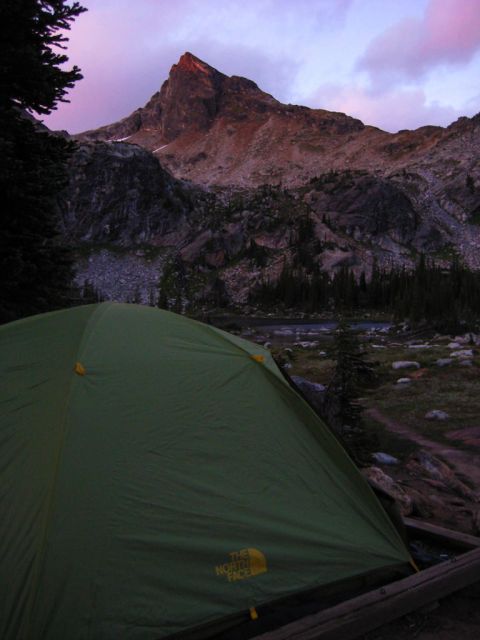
{"x":214,"y":184}
{"x":125,"y":216}
{"x":139,"y":231}
{"x":119,"y":194}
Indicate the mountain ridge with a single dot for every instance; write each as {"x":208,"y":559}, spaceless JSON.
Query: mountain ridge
{"x":212,"y":129}
{"x":225,"y":185}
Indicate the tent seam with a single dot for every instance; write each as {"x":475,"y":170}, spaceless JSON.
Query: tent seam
{"x":90,"y":324}
{"x":297,"y":398}
{"x":242,"y":351}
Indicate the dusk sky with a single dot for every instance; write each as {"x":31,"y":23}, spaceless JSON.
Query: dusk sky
{"x":395,"y":64}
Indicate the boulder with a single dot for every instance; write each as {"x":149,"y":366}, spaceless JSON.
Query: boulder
{"x":428,"y":506}
{"x":454,"y":345}
{"x":463,"y":353}
{"x":306,"y":344}
{"x":307,"y":386}
{"x":192,"y":251}
{"x":424,"y":465}
{"x":465,"y":363}
{"x":437,"y":414}
{"x":443,"y":362}
{"x":283,"y":332}
{"x":404,"y":380}
{"x":471,"y":338}
{"x":419,"y":346}
{"x":315,"y":393}
{"x":384,"y":458}
{"x":420,"y":504}
{"x":405,"y":364}
{"x":378,"y":477}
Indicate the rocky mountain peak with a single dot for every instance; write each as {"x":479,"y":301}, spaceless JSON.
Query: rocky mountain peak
{"x":188,"y":99}
{"x":187,"y":102}
{"x":191,"y":64}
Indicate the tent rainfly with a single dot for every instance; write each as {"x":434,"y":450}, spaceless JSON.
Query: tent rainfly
{"x":159,"y":477}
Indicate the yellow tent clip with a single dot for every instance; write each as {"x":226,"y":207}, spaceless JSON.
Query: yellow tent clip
{"x":253,"y":613}
{"x":80,"y":369}
{"x":258,"y":358}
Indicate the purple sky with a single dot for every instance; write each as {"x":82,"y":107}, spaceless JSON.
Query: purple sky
{"x":394,"y":64}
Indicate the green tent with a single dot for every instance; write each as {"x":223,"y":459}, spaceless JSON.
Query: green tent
{"x":158,"y":475}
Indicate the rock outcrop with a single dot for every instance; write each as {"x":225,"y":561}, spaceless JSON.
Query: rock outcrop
{"x":126,"y":217}
{"x":119,"y":194}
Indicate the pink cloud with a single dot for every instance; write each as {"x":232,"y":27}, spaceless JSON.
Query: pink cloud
{"x":397,"y":109}
{"x":448,"y":33}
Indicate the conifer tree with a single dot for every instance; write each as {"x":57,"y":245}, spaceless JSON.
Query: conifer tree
{"x":342,"y":409}
{"x":352,"y":372}
{"x":36,"y":271}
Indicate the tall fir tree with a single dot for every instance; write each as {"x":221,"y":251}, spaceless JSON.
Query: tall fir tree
{"x":36,"y":272}
{"x":352,"y":373}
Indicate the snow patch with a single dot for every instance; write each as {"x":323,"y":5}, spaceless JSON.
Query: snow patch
{"x":119,"y":139}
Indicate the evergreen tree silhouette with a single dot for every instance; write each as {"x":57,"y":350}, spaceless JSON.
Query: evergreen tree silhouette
{"x":36,"y":271}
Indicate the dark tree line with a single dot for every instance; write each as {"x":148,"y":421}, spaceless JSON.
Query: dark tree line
{"x":445,"y":297}
{"x":36,"y":272}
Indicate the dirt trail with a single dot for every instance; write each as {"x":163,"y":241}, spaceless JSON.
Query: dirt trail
{"x":466,"y":464}
{"x":458,"y":615}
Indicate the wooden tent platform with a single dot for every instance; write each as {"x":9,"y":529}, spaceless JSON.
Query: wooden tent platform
{"x":354,"y":617}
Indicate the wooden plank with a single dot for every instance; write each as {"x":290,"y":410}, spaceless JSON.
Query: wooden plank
{"x":354,"y":617}
{"x":441,"y":534}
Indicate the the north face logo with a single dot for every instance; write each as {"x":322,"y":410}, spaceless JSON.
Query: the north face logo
{"x":245,"y":563}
